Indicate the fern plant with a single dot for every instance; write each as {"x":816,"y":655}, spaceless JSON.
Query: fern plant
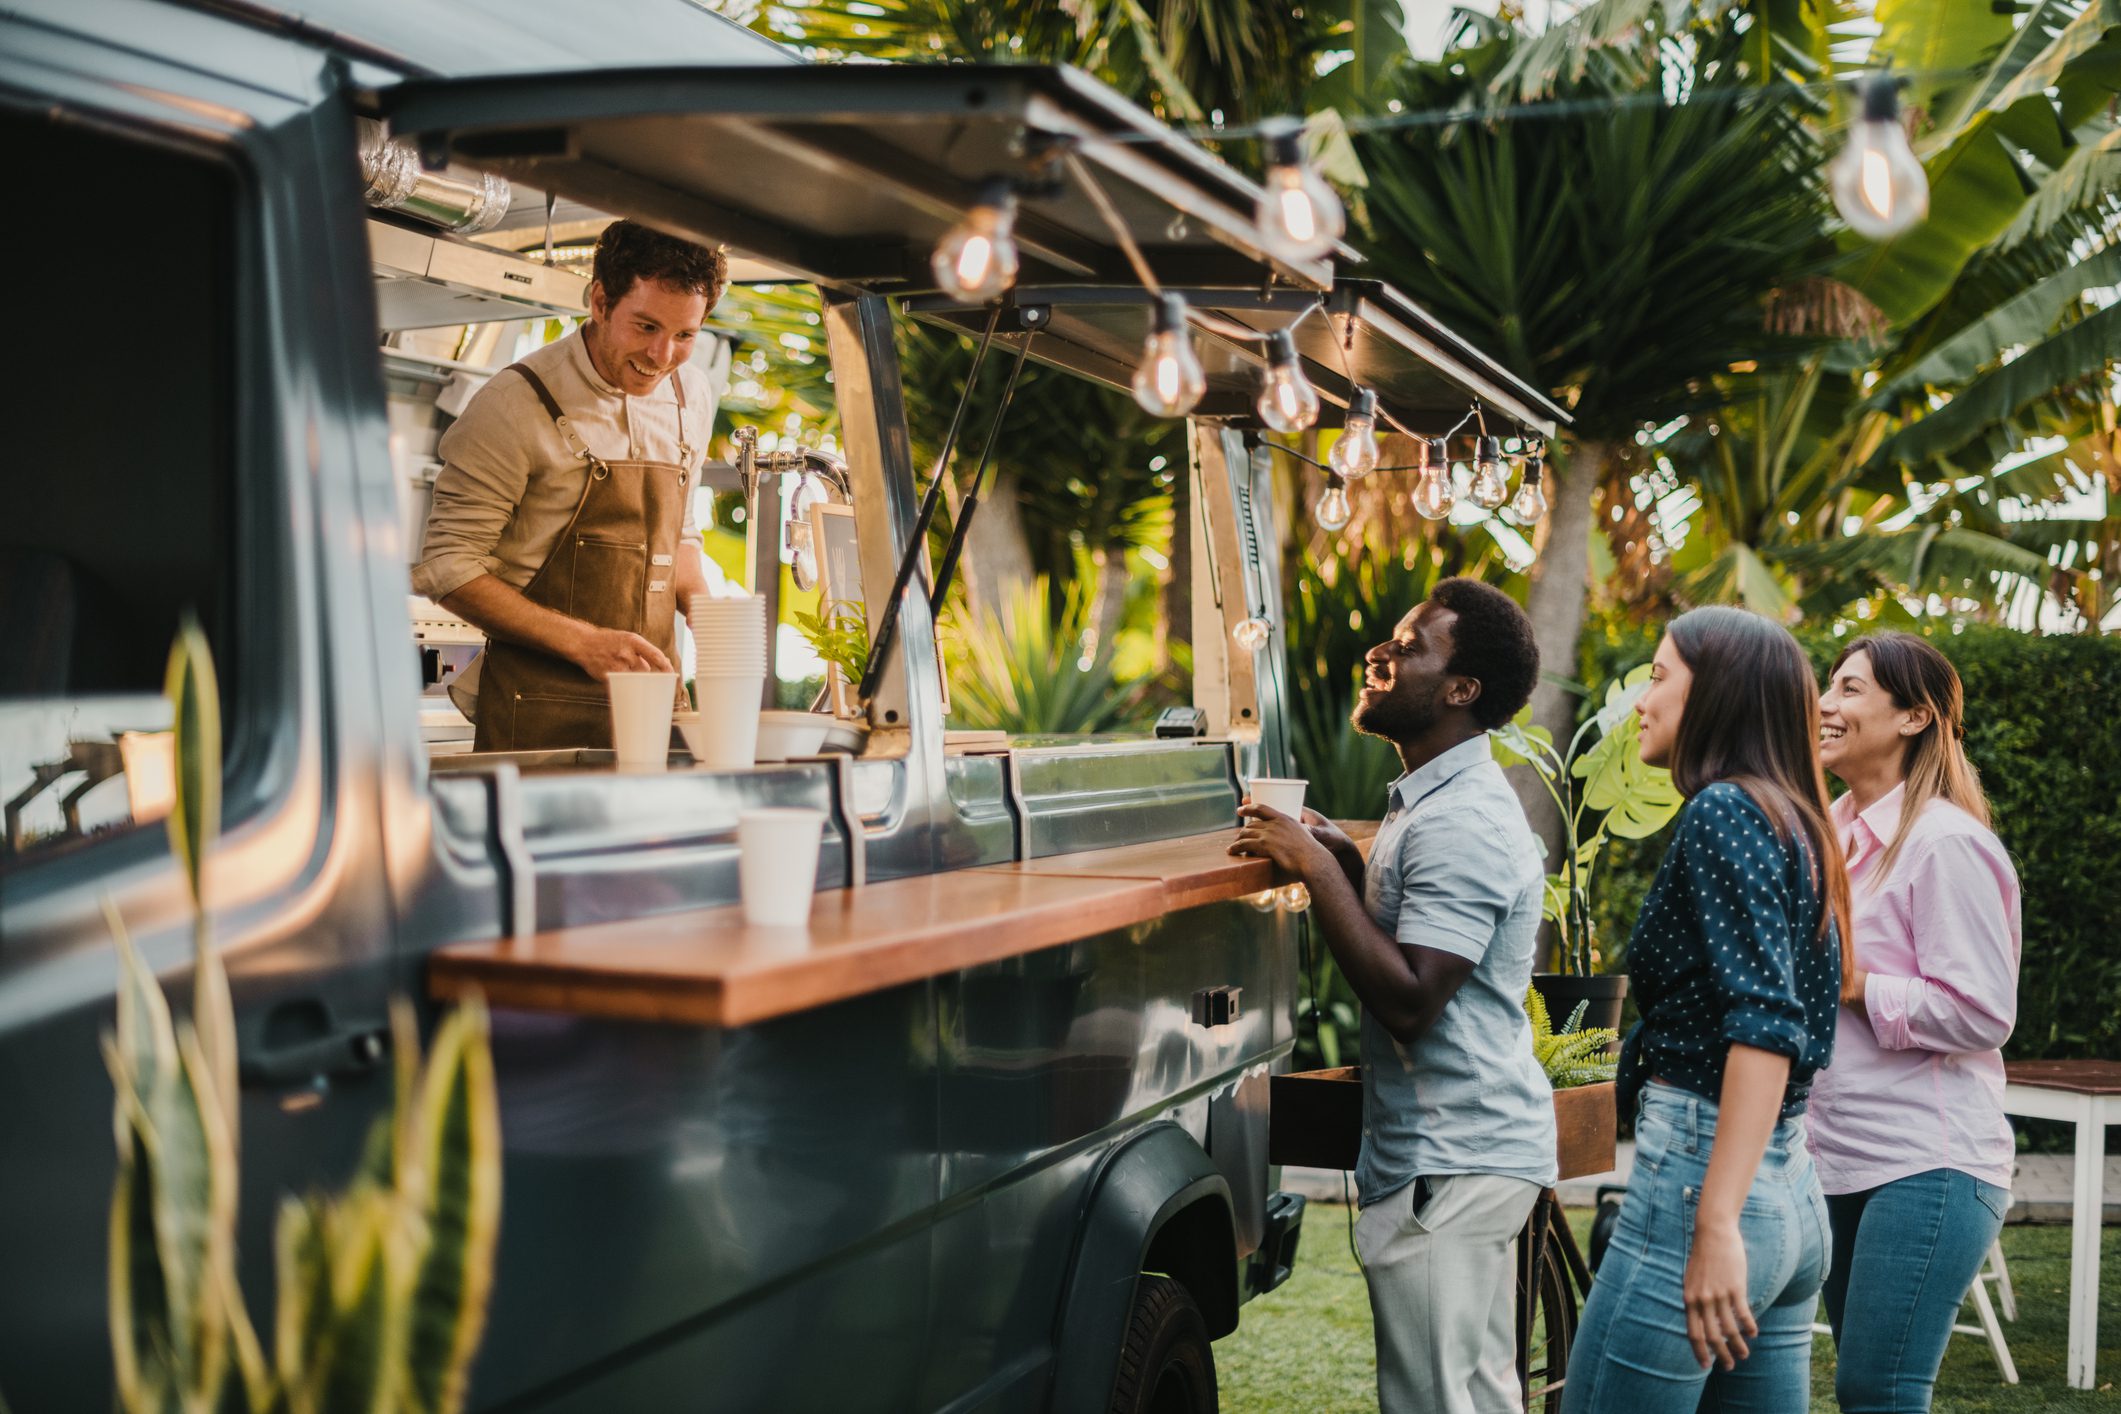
{"x":1574,"y":1055}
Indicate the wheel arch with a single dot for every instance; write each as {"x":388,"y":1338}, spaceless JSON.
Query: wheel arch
{"x":1157,"y":1203}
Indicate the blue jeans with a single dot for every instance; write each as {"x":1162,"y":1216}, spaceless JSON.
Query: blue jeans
{"x":1632,"y":1355}
{"x":1904,"y":1255}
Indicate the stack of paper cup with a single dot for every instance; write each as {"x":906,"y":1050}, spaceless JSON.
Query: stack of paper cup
{"x":729,"y":679}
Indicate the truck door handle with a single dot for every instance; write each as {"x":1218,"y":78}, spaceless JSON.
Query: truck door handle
{"x":302,"y":1045}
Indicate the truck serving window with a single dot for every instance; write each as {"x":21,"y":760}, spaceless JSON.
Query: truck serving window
{"x":118,"y":481}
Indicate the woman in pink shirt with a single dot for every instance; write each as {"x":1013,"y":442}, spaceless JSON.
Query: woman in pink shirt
{"x":1907,"y":1125}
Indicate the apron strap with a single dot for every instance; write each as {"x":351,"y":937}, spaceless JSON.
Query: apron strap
{"x":573,"y":439}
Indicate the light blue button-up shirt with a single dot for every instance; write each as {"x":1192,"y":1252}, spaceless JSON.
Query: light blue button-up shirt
{"x":1455,"y":867}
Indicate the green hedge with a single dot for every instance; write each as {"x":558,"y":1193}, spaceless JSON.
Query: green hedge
{"x":2044,"y":728}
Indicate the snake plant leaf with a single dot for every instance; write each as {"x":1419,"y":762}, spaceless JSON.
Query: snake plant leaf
{"x":194,"y":695}
{"x":366,"y":1341}
{"x":146,"y":1041}
{"x":196,"y":1211}
{"x":457,"y":1141}
{"x":194,"y":828}
{"x":138,"y":1300}
{"x":303,"y":1327}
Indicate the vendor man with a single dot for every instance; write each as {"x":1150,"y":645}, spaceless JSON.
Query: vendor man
{"x":562,"y":521}
{"x":1436,"y":935}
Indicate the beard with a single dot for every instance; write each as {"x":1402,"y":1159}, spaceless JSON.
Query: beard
{"x":1399,"y":715}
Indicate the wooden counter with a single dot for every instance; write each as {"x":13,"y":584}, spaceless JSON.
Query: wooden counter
{"x":707,"y":967}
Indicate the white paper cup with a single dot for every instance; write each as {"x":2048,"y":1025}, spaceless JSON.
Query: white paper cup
{"x":777,"y":864}
{"x":1279,"y":793}
{"x":641,"y":704}
{"x":727,"y":734}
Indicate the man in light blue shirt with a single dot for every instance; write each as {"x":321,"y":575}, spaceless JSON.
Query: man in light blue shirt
{"x":1436,"y":935}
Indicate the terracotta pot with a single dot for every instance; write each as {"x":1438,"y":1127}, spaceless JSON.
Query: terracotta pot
{"x":1315,"y":1121}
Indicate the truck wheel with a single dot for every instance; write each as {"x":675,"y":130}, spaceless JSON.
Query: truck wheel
{"x":1166,"y":1365}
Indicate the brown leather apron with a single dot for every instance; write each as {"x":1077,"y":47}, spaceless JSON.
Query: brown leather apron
{"x":614,"y":566}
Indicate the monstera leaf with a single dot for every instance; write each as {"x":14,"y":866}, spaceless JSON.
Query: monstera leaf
{"x":1638,"y":799}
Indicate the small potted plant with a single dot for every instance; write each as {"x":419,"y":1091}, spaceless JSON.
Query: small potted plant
{"x":1603,"y":789}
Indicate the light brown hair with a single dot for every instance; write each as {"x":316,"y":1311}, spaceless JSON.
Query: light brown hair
{"x":1933,"y":762}
{"x":1752,"y":718}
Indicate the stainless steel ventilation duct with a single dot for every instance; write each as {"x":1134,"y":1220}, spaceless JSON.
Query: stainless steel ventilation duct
{"x":460,"y":199}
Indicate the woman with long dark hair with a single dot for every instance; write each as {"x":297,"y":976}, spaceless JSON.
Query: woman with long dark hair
{"x":1707,"y":1290}
{"x":1908,"y":1128}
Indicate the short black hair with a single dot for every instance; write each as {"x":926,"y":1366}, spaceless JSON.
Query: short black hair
{"x":628,"y":251}
{"x":1492,"y":643}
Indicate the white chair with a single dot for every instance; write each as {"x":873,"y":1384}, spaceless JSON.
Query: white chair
{"x":1992,"y":1271}
{"x":1985,"y":1310}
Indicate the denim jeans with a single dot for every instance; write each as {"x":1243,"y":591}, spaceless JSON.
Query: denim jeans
{"x":1632,"y":1355}
{"x":1905,"y":1253}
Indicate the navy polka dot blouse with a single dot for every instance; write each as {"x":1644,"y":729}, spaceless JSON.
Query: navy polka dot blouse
{"x":1727,"y":951}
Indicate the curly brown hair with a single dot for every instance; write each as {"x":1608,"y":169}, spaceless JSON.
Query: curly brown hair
{"x":628,"y":251}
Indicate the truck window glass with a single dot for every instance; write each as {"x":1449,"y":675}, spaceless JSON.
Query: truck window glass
{"x":118,"y":480}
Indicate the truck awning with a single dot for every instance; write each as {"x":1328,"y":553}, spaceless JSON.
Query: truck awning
{"x":1358,"y":333}
{"x":848,"y":174}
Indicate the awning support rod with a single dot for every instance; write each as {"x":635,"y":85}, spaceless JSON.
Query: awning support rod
{"x":887,"y":630}
{"x":971,"y":506}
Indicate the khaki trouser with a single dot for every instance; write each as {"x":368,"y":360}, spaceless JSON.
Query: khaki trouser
{"x":1443,"y":1294}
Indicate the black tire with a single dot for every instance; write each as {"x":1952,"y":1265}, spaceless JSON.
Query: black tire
{"x":1166,"y":1365}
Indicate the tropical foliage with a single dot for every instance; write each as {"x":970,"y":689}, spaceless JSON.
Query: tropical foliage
{"x":381,"y":1289}
{"x":1030,"y":672}
{"x":1605,"y":778}
{"x":1574,"y":1055}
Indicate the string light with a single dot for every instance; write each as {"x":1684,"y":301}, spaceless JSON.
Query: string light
{"x":976,"y":260}
{"x":1287,"y":402}
{"x":1299,"y":217}
{"x":1490,"y":487}
{"x":1333,"y":511}
{"x":1170,"y":380}
{"x":1252,"y":634}
{"x":1354,"y":455}
{"x":1529,"y":506}
{"x":1434,"y":495}
{"x":1879,"y":186}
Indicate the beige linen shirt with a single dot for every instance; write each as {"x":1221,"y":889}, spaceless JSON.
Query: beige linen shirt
{"x":508,"y":484}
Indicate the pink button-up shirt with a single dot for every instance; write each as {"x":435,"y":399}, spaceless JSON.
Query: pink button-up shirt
{"x":1917,"y":1078}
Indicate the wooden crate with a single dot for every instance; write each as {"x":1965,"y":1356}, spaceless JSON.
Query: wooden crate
{"x":1315,"y":1121}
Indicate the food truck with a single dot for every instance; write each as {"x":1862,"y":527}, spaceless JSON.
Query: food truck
{"x":993,"y":1135}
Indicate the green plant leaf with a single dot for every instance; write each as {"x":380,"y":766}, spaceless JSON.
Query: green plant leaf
{"x":457,"y":1136}
{"x":195,"y":697}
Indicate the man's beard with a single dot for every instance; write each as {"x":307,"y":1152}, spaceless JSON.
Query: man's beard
{"x":1396,"y":717}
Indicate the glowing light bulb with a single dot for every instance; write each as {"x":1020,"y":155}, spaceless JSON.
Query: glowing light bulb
{"x":1252,"y":634}
{"x":1354,"y":455}
{"x":1434,"y":495}
{"x":1529,"y":505}
{"x":1490,"y":487}
{"x":1265,"y":901}
{"x":1295,"y":897}
{"x":1333,"y":511}
{"x":1878,"y":184}
{"x":1299,"y":217}
{"x":976,"y":260}
{"x":1287,"y":402}
{"x":1170,"y":380}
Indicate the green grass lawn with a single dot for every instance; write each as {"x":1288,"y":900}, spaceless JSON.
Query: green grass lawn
{"x":1307,"y":1346}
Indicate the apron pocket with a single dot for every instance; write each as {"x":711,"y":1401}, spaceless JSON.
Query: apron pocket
{"x":609,"y":586}
{"x":551,"y":721}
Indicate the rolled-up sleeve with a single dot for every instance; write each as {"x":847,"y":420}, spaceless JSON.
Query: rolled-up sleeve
{"x":1736,"y":868}
{"x":1964,"y":922}
{"x":1456,"y":884}
{"x":486,"y":466}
